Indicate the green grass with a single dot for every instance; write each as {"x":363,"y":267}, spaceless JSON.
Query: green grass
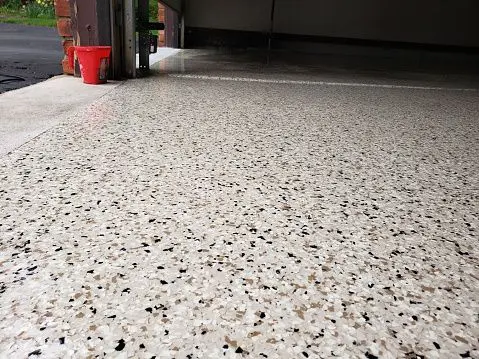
{"x":153,"y":10}
{"x":14,"y":14}
{"x":20,"y":16}
{"x":153,"y":14}
{"x":9,"y":19}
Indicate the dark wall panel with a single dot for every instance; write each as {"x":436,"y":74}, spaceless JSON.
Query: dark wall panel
{"x":435,"y":22}
{"x":444,"y":22}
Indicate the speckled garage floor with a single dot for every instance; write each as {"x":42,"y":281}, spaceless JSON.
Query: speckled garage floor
{"x":182,"y":217}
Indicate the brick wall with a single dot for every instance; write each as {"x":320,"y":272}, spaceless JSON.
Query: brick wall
{"x":161,"y":18}
{"x":169,"y":36}
{"x":62,"y":11}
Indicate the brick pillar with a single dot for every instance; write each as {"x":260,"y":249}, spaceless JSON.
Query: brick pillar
{"x":161,"y":18}
{"x":62,"y":11}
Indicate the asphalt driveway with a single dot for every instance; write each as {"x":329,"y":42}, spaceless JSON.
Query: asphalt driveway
{"x":28,"y":54}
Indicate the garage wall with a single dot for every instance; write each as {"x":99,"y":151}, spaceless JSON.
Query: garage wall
{"x":246,"y":15}
{"x":440,"y":22}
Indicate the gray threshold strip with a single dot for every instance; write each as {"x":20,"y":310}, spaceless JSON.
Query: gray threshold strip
{"x":320,"y":83}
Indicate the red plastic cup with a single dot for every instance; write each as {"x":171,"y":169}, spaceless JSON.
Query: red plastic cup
{"x":94,"y":62}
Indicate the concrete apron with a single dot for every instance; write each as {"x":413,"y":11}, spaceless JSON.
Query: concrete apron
{"x":30,"y":111}
{"x":160,"y":55}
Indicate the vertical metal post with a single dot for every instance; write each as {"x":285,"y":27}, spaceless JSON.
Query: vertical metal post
{"x":114,"y":41}
{"x":182,"y":31}
{"x":143,"y":35}
{"x":271,"y":28}
{"x":182,"y":19}
{"x":129,"y":38}
{"x":116,"y":22}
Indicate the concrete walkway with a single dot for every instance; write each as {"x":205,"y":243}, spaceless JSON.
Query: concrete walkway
{"x":220,"y":209}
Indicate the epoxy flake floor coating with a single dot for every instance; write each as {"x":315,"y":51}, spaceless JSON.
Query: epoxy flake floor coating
{"x":183,"y":218}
